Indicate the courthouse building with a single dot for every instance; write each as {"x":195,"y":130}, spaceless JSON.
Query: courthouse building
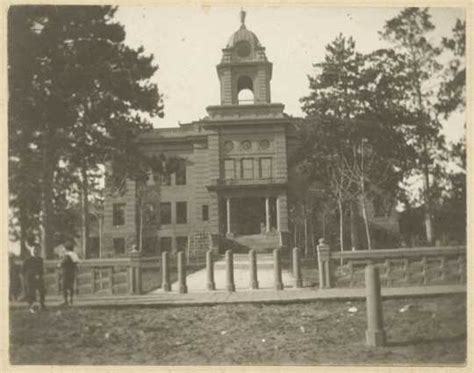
{"x":231,"y":186}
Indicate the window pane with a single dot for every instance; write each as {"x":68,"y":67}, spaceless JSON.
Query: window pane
{"x":181,"y":243}
{"x":265,"y":168}
{"x":165,"y":244}
{"x":205,"y":212}
{"x":119,"y":245}
{"x":181,"y":212}
{"x":165,"y":179}
{"x":165,"y":213}
{"x":118,"y":214}
{"x":247,"y":168}
{"x":229,"y":169}
{"x":181,"y":173}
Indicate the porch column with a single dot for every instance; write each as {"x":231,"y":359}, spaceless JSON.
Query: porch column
{"x":277,"y":202}
{"x":228,"y":215}
{"x":267,"y":213}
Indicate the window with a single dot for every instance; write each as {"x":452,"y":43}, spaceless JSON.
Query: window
{"x":205,"y":212}
{"x":380,"y":207}
{"x":118,"y":214}
{"x":165,"y":213}
{"x":265,"y":168}
{"x":119,"y":246}
{"x":150,"y":245}
{"x":229,"y":169}
{"x":181,"y":243}
{"x":165,"y":179}
{"x":165,"y":244}
{"x":247,"y":168}
{"x":181,"y":173}
{"x":181,"y":212}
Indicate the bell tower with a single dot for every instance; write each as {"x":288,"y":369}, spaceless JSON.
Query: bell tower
{"x":244,"y":71}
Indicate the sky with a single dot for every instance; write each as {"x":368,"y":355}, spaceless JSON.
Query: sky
{"x":187,"y":43}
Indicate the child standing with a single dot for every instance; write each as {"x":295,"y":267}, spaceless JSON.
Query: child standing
{"x":69,"y":268}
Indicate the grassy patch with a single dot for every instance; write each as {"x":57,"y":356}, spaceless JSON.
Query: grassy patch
{"x":431,"y":331}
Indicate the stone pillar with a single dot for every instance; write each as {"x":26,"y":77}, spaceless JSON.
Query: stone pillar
{"x":210,"y":271}
{"x":229,"y":232}
{"x":253,"y":269}
{"x":165,"y":279}
{"x":136,"y":273}
{"x":375,"y":334}
{"x":296,"y":268}
{"x":229,"y":262}
{"x":183,"y":289}
{"x":324,"y":264}
{"x":277,"y":269}
{"x":267,"y":214}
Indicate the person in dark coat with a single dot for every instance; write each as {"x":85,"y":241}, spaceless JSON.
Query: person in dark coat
{"x":69,"y":269}
{"x":33,"y":274}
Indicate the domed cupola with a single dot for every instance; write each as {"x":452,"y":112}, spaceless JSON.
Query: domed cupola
{"x":244,"y":74}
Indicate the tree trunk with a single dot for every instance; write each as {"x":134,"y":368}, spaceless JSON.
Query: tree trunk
{"x":427,"y":197}
{"x":140,"y":238}
{"x":85,"y":210}
{"x":341,"y":224}
{"x":306,"y":241}
{"x":366,"y":222}
{"x":100,"y":235}
{"x":354,"y":231}
{"x":22,"y":222}
{"x":47,"y":208}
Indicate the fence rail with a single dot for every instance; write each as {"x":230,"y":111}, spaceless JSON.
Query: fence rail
{"x":398,"y":267}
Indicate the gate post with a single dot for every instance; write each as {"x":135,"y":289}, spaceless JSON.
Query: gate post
{"x":375,"y":334}
{"x":210,"y":270}
{"x":229,"y":261}
{"x":183,"y":289}
{"x":136,"y":272}
{"x":296,"y":268}
{"x":165,"y":279}
{"x":277,"y":269}
{"x":253,"y":269}
{"x":324,"y":264}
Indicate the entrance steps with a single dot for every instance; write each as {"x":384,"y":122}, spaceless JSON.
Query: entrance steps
{"x":241,"y":261}
{"x":259,"y":242}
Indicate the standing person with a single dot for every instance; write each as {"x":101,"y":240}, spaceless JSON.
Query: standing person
{"x":33,"y":272}
{"x":69,"y":268}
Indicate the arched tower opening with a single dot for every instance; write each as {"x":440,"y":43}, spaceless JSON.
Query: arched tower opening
{"x":245,"y":94}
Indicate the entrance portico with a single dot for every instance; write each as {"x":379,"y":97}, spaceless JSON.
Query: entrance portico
{"x":249,"y":215}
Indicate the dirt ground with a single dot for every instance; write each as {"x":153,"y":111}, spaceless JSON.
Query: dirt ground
{"x":429,"y":331}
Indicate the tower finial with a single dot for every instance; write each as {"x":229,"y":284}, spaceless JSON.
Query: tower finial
{"x":242,"y":16}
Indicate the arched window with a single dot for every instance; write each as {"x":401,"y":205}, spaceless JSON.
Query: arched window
{"x":245,"y":90}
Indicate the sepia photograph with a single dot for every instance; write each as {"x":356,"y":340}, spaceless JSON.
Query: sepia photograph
{"x":236,"y":185}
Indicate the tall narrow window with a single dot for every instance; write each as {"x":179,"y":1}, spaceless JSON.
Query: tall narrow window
{"x":265,"y":168}
{"x":165,"y":179}
{"x":118,"y":214}
{"x":247,"y":168}
{"x":181,"y":212}
{"x":119,"y":246}
{"x":165,"y":213}
{"x":229,"y":169}
{"x":205,"y":212}
{"x":181,"y":173}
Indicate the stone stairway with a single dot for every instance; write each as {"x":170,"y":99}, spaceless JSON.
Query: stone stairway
{"x":260,"y":242}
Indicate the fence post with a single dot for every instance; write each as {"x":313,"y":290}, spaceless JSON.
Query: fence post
{"x":136,"y":277}
{"x":229,"y":261}
{"x":253,"y":269}
{"x":210,"y":270}
{"x":324,"y":264}
{"x":165,"y":272}
{"x":375,"y":334}
{"x":183,"y":289}
{"x":297,"y":268}
{"x":277,"y":269}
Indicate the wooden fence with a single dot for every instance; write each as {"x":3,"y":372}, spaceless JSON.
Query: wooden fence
{"x":398,"y":267}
